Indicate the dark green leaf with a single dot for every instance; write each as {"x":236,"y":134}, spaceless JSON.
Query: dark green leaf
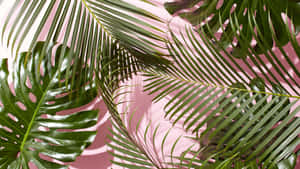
{"x":30,"y":122}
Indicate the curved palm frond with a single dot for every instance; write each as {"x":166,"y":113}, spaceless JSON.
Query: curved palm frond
{"x":245,"y":118}
{"x":122,"y":142}
{"x":254,"y":34}
{"x":139,"y":149}
{"x":218,"y":13}
{"x":132,"y":150}
{"x":249,"y":117}
{"x":132,"y":153}
{"x":31,"y":126}
{"x":227,"y":70}
{"x":89,"y":28}
{"x":242,"y":112}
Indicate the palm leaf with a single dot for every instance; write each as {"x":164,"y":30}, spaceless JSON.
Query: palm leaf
{"x":248,"y":23}
{"x":125,"y":146}
{"x":30,"y":124}
{"x":248,"y":31}
{"x":130,"y":150}
{"x":127,"y":149}
{"x":90,"y":28}
{"x":238,"y":112}
{"x":216,"y":13}
{"x":139,"y":149}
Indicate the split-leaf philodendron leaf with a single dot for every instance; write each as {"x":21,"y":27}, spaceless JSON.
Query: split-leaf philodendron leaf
{"x":30,"y":125}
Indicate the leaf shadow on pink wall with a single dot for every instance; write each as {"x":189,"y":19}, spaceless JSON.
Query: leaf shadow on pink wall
{"x":96,"y":155}
{"x":140,"y":104}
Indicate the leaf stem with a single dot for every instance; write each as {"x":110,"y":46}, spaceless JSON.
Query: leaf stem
{"x":95,"y":17}
{"x":35,"y":114}
{"x":224,"y":87}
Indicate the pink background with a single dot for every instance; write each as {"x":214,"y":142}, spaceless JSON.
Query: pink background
{"x":96,"y":156}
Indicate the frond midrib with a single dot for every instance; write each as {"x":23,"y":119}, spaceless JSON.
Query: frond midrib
{"x":37,"y":109}
{"x":177,"y":78}
{"x":97,"y":20}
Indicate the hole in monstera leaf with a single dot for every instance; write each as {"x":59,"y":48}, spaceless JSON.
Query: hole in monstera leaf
{"x":32,"y":97}
{"x":61,"y":95}
{"x":50,"y":102}
{"x":21,"y":106}
{"x":7,"y":129}
{"x":28,"y":83}
{"x":14,"y":118}
{"x":31,"y":149}
{"x":38,"y":140}
{"x":44,"y":116}
{"x":41,"y":128}
{"x":47,"y":158}
{"x":3,"y":138}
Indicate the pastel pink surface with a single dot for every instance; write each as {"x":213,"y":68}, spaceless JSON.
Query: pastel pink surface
{"x":96,"y":156}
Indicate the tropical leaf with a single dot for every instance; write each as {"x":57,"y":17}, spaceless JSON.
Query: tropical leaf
{"x":239,"y":54}
{"x":289,"y":163}
{"x":139,"y":149}
{"x":125,"y":146}
{"x":247,"y":113}
{"x":90,"y":28}
{"x":31,"y":128}
{"x":131,"y":149}
{"x":267,"y":14}
{"x":239,"y":118}
{"x":249,"y":116}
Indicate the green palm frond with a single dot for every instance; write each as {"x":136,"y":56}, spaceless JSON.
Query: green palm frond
{"x":244,"y":34}
{"x":124,"y":145}
{"x":238,"y":112}
{"x":89,"y":28}
{"x":219,"y":57}
{"x":139,"y":149}
{"x":233,"y":83}
{"x":30,"y":121}
{"x":217,"y":13}
{"x":133,"y":150}
{"x":251,"y":134}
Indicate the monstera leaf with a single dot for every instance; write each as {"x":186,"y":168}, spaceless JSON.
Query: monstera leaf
{"x":32,"y":129}
{"x":93,"y":29}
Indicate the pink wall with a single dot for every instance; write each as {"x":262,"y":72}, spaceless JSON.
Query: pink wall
{"x":96,"y":156}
